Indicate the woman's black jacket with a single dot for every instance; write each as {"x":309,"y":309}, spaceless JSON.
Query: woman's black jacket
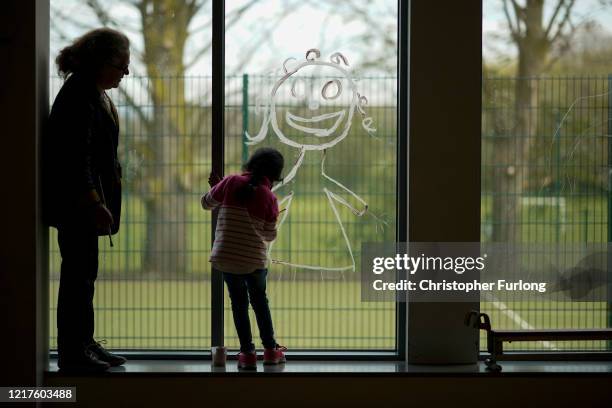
{"x":80,"y":154}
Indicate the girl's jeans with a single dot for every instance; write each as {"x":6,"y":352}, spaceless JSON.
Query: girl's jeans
{"x":242,"y":290}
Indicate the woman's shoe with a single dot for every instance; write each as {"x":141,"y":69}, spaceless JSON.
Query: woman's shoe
{"x":104,"y":355}
{"x":81,"y":361}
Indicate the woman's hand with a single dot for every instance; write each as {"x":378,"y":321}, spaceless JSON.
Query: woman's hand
{"x":103,"y":217}
{"x":213,"y":179}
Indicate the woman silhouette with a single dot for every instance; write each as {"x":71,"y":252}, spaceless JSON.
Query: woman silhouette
{"x":82,"y":185}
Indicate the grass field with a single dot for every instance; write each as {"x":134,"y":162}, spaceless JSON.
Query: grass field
{"x":136,"y":310}
{"x":307,"y":314}
{"x":140,"y":311}
{"x":176,"y":315}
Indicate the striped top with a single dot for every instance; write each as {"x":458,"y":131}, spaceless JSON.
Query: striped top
{"x":242,"y":228}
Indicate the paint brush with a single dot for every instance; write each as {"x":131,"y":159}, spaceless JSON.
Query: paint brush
{"x":110,"y":237}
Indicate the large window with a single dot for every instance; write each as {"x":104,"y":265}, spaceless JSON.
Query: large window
{"x":333,"y":116}
{"x":154,"y":286}
{"x":546,"y":151}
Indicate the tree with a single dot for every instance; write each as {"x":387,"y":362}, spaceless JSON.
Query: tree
{"x":539,"y":44}
{"x":165,"y":27}
{"x":172,"y":124}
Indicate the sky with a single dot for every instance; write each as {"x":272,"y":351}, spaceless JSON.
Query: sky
{"x":297,"y":32}
{"x":300,"y":30}
{"x":308,"y":26}
{"x":494,"y":24}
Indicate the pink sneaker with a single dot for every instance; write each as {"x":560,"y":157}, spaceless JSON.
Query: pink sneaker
{"x":275,"y":355}
{"x":247,"y":361}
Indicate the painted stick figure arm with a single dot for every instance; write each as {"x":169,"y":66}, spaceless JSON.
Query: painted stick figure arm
{"x":359,"y":209}
{"x":358,"y":206}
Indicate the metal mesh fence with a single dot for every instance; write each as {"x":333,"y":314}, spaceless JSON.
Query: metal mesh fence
{"x":153,"y":289}
{"x":545,"y":179}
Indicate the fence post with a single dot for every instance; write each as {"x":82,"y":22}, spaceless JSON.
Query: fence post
{"x":609,"y":134}
{"x":557,"y":175}
{"x":245,"y":116}
{"x":585,"y":213}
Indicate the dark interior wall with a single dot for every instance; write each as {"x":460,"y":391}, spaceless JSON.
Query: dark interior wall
{"x":449,"y":175}
{"x":24,"y":34}
{"x":261,"y":390}
{"x":444,"y":160}
{"x":445,"y":110}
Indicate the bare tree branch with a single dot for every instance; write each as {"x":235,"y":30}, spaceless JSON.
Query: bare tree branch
{"x":56,"y":27}
{"x":234,"y":17}
{"x":198,"y":55}
{"x":236,"y":14}
{"x":59,"y":15}
{"x":519,"y":11}
{"x":231,"y":19}
{"x":138,"y":108}
{"x":364,"y":15}
{"x":201,"y":27}
{"x":248,"y":52}
{"x":551,"y":22}
{"x":195,"y":7}
{"x":514,"y":30}
{"x":105,"y":19}
{"x":563,"y":22}
{"x":101,"y":13}
{"x":377,"y":31}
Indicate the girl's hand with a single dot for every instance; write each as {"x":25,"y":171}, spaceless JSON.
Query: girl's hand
{"x":213,"y":179}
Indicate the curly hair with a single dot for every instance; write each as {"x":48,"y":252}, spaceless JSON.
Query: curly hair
{"x":88,"y":53}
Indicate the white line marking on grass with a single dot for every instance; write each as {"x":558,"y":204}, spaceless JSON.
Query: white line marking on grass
{"x":516,"y":318}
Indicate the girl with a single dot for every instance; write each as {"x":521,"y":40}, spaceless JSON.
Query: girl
{"x":248,"y":211}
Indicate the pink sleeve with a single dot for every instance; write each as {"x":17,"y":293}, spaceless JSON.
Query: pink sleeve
{"x":273,"y":210}
{"x":269,"y":226}
{"x":215,"y":196}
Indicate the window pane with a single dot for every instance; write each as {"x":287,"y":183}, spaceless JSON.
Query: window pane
{"x":294,"y":104}
{"x":152,"y":290}
{"x":545,"y":164}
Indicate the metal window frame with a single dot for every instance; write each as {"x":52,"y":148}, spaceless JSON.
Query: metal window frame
{"x":218,"y":156}
{"x":40,"y":324}
{"x":218,"y":162}
{"x":218,"y":135}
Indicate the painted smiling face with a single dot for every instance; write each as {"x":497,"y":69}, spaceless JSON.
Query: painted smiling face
{"x":316,"y":102}
{"x":321,"y":98}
